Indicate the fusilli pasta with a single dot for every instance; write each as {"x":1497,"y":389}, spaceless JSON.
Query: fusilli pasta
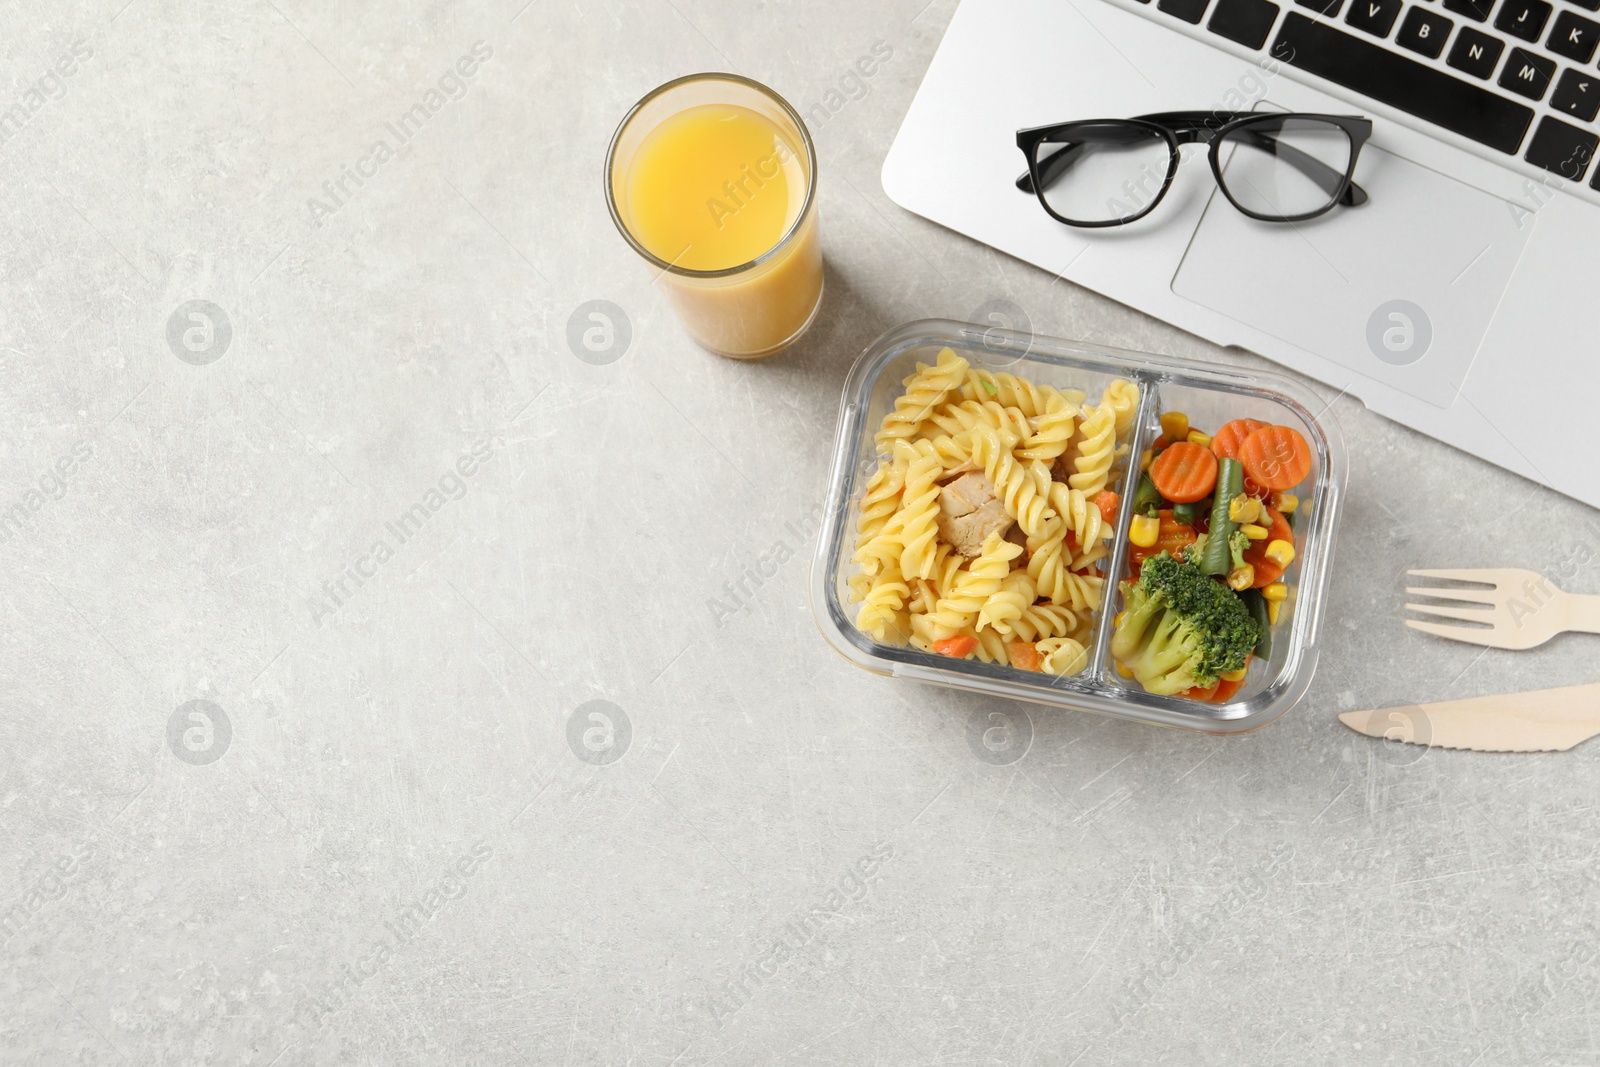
{"x":978,"y":534}
{"x":1097,"y":444}
{"x":925,"y":391}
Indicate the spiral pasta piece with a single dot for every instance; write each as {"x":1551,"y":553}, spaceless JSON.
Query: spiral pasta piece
{"x":924,"y":391}
{"x":882,"y":610}
{"x":1044,"y":620}
{"x":947,"y":564}
{"x":920,"y":507}
{"x":956,"y":419}
{"x":1048,"y":558}
{"x":1051,"y":432}
{"x":959,"y":608}
{"x":1096,"y":451}
{"x":1011,"y":391}
{"x":1122,"y":397}
{"x":879,"y":501}
{"x":992,"y":647}
{"x":1088,"y":557}
{"x":1015,"y":595}
{"x":1062,"y":656}
{"x":889,"y":543}
{"x":1082,"y":515}
{"x":1081,"y":592}
{"x":1020,"y":487}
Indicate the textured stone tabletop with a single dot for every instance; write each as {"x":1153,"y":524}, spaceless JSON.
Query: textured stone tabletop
{"x":272,"y":795}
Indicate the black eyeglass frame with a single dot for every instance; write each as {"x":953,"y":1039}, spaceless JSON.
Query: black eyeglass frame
{"x":1178,"y":128}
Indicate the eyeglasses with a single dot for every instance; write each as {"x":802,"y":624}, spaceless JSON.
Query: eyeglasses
{"x":1273,"y":167}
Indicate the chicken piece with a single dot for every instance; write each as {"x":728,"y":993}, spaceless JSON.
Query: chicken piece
{"x":965,"y":495}
{"x":966,"y":533}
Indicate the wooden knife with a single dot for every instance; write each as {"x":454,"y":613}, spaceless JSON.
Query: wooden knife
{"x":1543,"y":720}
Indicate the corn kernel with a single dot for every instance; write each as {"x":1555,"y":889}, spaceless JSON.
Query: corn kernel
{"x":1197,"y":438}
{"x":1273,"y":608}
{"x":1145,"y":531}
{"x":1146,"y":459}
{"x":1281,"y":552}
{"x":1236,"y":676}
{"x":1285,"y":503}
{"x":1120,"y":616}
{"x":1175,"y":426}
{"x":1245,"y":508}
{"x":1241,"y":578}
{"x":1254,"y":532}
{"x":1277,"y":592}
{"x":1124,"y":670}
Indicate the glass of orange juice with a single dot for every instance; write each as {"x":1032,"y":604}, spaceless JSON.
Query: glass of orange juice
{"x":712,"y":178}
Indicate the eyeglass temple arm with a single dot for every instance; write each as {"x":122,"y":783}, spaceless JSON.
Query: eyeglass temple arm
{"x":1325,"y":176}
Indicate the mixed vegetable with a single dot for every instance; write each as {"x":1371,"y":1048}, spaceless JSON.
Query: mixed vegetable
{"x":1211,"y":538}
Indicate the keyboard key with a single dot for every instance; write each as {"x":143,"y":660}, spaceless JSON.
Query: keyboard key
{"x":1561,"y":149}
{"x":1424,"y":31}
{"x":1368,"y":68}
{"x":1578,"y":94}
{"x":1527,"y":74}
{"x":1592,"y":5}
{"x":1476,"y":53}
{"x":1375,"y":16}
{"x":1477,"y":10}
{"x":1523,"y":18}
{"x":1574,"y":37}
{"x":1245,"y":21}
{"x":1187,"y":10}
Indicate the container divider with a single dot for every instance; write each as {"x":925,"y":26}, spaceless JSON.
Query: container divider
{"x":1149,"y":403}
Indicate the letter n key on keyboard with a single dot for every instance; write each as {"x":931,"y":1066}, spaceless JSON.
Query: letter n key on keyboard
{"x":1431,"y":95}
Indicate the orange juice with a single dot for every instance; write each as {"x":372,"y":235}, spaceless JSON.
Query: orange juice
{"x":712,"y":178}
{"x":714,"y":187}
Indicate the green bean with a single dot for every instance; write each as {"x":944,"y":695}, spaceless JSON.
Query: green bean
{"x":1217,"y":559}
{"x":1147,"y":498}
{"x":1257,"y":603}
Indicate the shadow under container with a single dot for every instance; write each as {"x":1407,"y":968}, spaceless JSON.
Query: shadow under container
{"x":1210,"y":395}
{"x":752,"y":309}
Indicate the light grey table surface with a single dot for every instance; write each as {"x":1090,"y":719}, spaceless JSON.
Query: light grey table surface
{"x":396,"y":856}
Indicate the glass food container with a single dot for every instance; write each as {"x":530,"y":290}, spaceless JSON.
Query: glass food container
{"x":1210,"y":395}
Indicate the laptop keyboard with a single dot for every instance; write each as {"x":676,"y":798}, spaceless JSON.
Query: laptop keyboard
{"x":1515,"y":76}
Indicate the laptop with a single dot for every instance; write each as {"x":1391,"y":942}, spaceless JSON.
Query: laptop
{"x":1460,"y":300}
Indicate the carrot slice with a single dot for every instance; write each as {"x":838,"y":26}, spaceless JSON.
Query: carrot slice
{"x":1267,"y":571}
{"x":1185,"y":473}
{"x":1276,"y":457}
{"x":1106,"y":501}
{"x":960,"y":646}
{"x":1227,"y":440}
{"x":1173,"y":537}
{"x":1024,"y":655}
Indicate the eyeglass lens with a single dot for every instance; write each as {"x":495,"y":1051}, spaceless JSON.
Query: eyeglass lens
{"x":1102,"y":172}
{"x":1285,"y":167}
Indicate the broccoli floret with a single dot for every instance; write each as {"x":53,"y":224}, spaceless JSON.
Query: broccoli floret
{"x":1238,"y":545}
{"x":1182,"y":629}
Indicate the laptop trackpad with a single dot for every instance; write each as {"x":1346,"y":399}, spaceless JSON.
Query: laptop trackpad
{"x":1400,"y":290}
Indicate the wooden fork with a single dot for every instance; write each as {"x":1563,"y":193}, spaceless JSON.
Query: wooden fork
{"x":1519,"y":609}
